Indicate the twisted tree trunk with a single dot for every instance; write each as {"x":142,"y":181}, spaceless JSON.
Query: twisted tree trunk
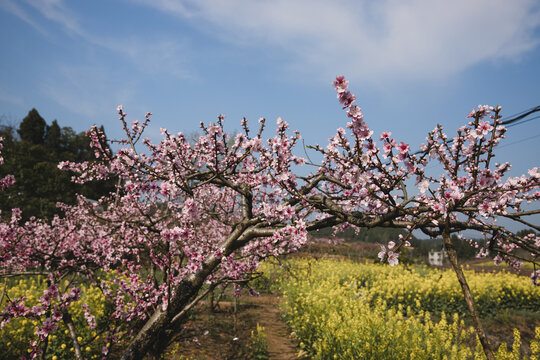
{"x":155,"y":329}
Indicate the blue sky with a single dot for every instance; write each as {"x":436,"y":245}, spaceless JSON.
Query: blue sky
{"x":412,"y":64}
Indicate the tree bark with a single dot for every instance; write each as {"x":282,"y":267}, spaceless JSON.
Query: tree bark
{"x":68,"y":321}
{"x":452,"y":256}
{"x":155,"y":328}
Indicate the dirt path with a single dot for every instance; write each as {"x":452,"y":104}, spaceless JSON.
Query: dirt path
{"x":266,"y":312}
{"x":215,"y":337}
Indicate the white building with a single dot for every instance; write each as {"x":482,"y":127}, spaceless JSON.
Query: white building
{"x":436,"y":258}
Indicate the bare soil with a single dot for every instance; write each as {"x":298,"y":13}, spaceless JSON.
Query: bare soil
{"x":217,"y":335}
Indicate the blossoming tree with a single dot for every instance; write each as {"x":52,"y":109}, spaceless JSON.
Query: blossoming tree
{"x":189,"y":216}
{"x":365,"y":184}
{"x":185,"y":216}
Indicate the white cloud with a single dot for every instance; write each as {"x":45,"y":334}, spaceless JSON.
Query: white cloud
{"x":86,"y":91}
{"x":54,"y":10}
{"x":158,"y":56}
{"x":7,"y":97}
{"x":15,"y":9}
{"x":372,"y":40}
{"x":162,"y":55}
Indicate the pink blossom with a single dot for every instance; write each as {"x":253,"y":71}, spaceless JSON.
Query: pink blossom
{"x":346,"y":98}
{"x":47,"y":327}
{"x":385,"y":135}
{"x":387,"y":147}
{"x":7,"y":181}
{"x":355,"y":112}
{"x":341,"y":84}
{"x":439,"y":207}
{"x":479,"y":112}
{"x":535,"y":276}
{"x":393,"y":258}
{"x":423,"y":186}
{"x":403,"y":148}
{"x":382,"y":253}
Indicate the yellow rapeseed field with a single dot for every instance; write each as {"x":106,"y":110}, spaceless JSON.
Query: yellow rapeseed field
{"x":16,"y":335}
{"x":347,"y":310}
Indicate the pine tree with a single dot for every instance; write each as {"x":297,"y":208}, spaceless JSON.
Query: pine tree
{"x":32,"y":128}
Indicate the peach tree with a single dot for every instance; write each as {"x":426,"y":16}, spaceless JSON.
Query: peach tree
{"x":190,"y":215}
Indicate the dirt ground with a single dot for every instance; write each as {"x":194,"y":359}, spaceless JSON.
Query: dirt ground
{"x":221,"y":337}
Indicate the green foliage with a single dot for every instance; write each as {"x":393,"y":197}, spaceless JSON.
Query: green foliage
{"x":377,"y":234}
{"x":54,"y":135}
{"x":33,"y":160}
{"x":32,"y":128}
{"x":463,"y":248}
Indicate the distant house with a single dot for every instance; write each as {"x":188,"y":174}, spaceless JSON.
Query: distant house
{"x":94,"y":203}
{"x":436,"y":258}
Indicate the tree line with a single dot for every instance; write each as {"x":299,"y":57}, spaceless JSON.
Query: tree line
{"x":32,"y":152}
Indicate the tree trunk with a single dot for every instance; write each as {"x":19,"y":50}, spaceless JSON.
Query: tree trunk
{"x":68,"y":321}
{"x":155,"y":328}
{"x":452,"y":256}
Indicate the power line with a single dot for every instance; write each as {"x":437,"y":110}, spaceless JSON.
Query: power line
{"x":520,"y":141}
{"x":498,"y":147}
{"x":524,"y":121}
{"x":521,"y":115}
{"x":514,"y":120}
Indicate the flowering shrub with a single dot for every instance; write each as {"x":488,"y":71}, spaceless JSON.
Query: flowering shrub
{"x":362,"y":181}
{"x":184,"y":215}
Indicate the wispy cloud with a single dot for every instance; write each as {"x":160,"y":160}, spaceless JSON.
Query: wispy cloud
{"x":86,"y":91}
{"x":5,"y":96}
{"x":55,"y":10}
{"x":81,"y":88}
{"x":14,"y":8}
{"x":151,"y":56}
{"x":373,"y":40}
{"x":164,"y":55}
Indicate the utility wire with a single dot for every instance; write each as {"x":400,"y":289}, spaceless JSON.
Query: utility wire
{"x":514,"y":120}
{"x":524,"y":121}
{"x":521,"y":115}
{"x":520,"y":141}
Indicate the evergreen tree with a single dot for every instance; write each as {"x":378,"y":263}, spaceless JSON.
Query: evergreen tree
{"x":53,"y":136}
{"x":33,"y":160}
{"x":32,"y":128}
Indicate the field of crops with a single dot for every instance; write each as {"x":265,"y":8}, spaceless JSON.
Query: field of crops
{"x":336,"y":309}
{"x":15,"y":335}
{"x":346,"y":310}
